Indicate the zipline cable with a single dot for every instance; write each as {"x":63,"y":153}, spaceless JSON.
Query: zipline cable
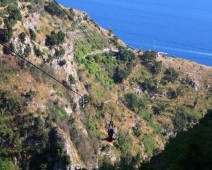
{"x":47,"y":74}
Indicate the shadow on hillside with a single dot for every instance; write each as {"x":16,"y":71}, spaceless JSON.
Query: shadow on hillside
{"x":190,"y":150}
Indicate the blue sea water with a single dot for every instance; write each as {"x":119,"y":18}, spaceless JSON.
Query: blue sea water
{"x":182,"y":28}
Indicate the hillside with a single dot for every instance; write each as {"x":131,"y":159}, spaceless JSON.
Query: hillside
{"x":43,"y":125}
{"x":189,"y":150}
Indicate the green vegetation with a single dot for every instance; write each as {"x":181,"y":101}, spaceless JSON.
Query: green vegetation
{"x":125,"y":143}
{"x":57,"y":113}
{"x":22,"y":37}
{"x":37,"y":51}
{"x":7,"y":165}
{"x":14,"y":15}
{"x":27,"y":50}
{"x":134,"y":103}
{"x":6,"y":2}
{"x":55,"y":38}
{"x":171,"y":75}
{"x":149,"y":56}
{"x":62,"y":63}
{"x":32,"y":34}
{"x":59,"y":53}
{"x":53,"y":9}
{"x":71,"y":79}
{"x":149,"y":143}
{"x":189,"y":150}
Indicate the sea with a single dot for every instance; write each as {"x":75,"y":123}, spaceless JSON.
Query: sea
{"x":181,"y":28}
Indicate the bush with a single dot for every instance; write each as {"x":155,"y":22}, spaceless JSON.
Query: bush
{"x":22,"y":37}
{"x":59,"y":53}
{"x":134,"y":103}
{"x":171,"y":75}
{"x":120,"y":74}
{"x":62,"y":63}
{"x":149,"y":56}
{"x":137,"y":130}
{"x":124,"y":143}
{"x":161,"y":107}
{"x":7,"y":50}
{"x":7,"y":34}
{"x":53,"y":9}
{"x":124,"y":54}
{"x":149,"y":84}
{"x":7,"y":165}
{"x":37,"y":51}
{"x":149,"y":143}
{"x":27,"y":50}
{"x":32,"y":34}
{"x":55,"y":38}
{"x":6,"y":2}
{"x":71,"y":79}
{"x":14,"y":14}
{"x":157,"y":67}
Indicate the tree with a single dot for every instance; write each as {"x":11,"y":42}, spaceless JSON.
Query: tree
{"x":62,"y":63}
{"x":9,"y":49}
{"x":6,"y":34}
{"x":27,"y":50}
{"x":32,"y":34}
{"x":124,"y":54}
{"x":37,"y":51}
{"x":157,"y":67}
{"x":55,"y":38}
{"x":120,"y":74}
{"x":171,"y":75}
{"x":71,"y":79}
{"x":149,"y":56}
{"x":53,"y":9}
{"x":59,"y":53}
{"x":22,"y":37}
{"x":7,"y":165}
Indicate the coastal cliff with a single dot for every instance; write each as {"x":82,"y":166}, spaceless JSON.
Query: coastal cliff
{"x":44,"y":125}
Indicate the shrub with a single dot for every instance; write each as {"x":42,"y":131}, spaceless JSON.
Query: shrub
{"x":149,"y":56}
{"x":6,"y":2}
{"x":172,"y":93}
{"x":7,"y":165}
{"x":157,"y":67}
{"x":149,"y":143}
{"x":125,"y":143}
{"x":37,"y":51}
{"x":120,"y":74}
{"x":59,"y":53}
{"x":137,"y":130}
{"x":55,"y":38}
{"x":27,"y":50}
{"x":124,"y":54}
{"x":53,"y":9}
{"x":6,"y":34}
{"x":161,"y":107}
{"x":171,"y":75}
{"x":134,"y":103}
{"x":62,"y":63}
{"x":14,"y":14}
{"x":9,"y":49}
{"x":71,"y":79}
{"x":149,"y":84}
{"x":32,"y":34}
{"x":22,"y":37}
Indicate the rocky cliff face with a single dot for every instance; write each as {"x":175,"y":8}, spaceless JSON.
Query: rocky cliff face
{"x":150,"y":99}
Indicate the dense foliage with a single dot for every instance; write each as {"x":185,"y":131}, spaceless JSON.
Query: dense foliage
{"x":53,"y":9}
{"x":189,"y":150}
{"x":55,"y":38}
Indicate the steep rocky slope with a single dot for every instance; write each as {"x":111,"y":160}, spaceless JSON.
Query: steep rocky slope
{"x":44,"y":126}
